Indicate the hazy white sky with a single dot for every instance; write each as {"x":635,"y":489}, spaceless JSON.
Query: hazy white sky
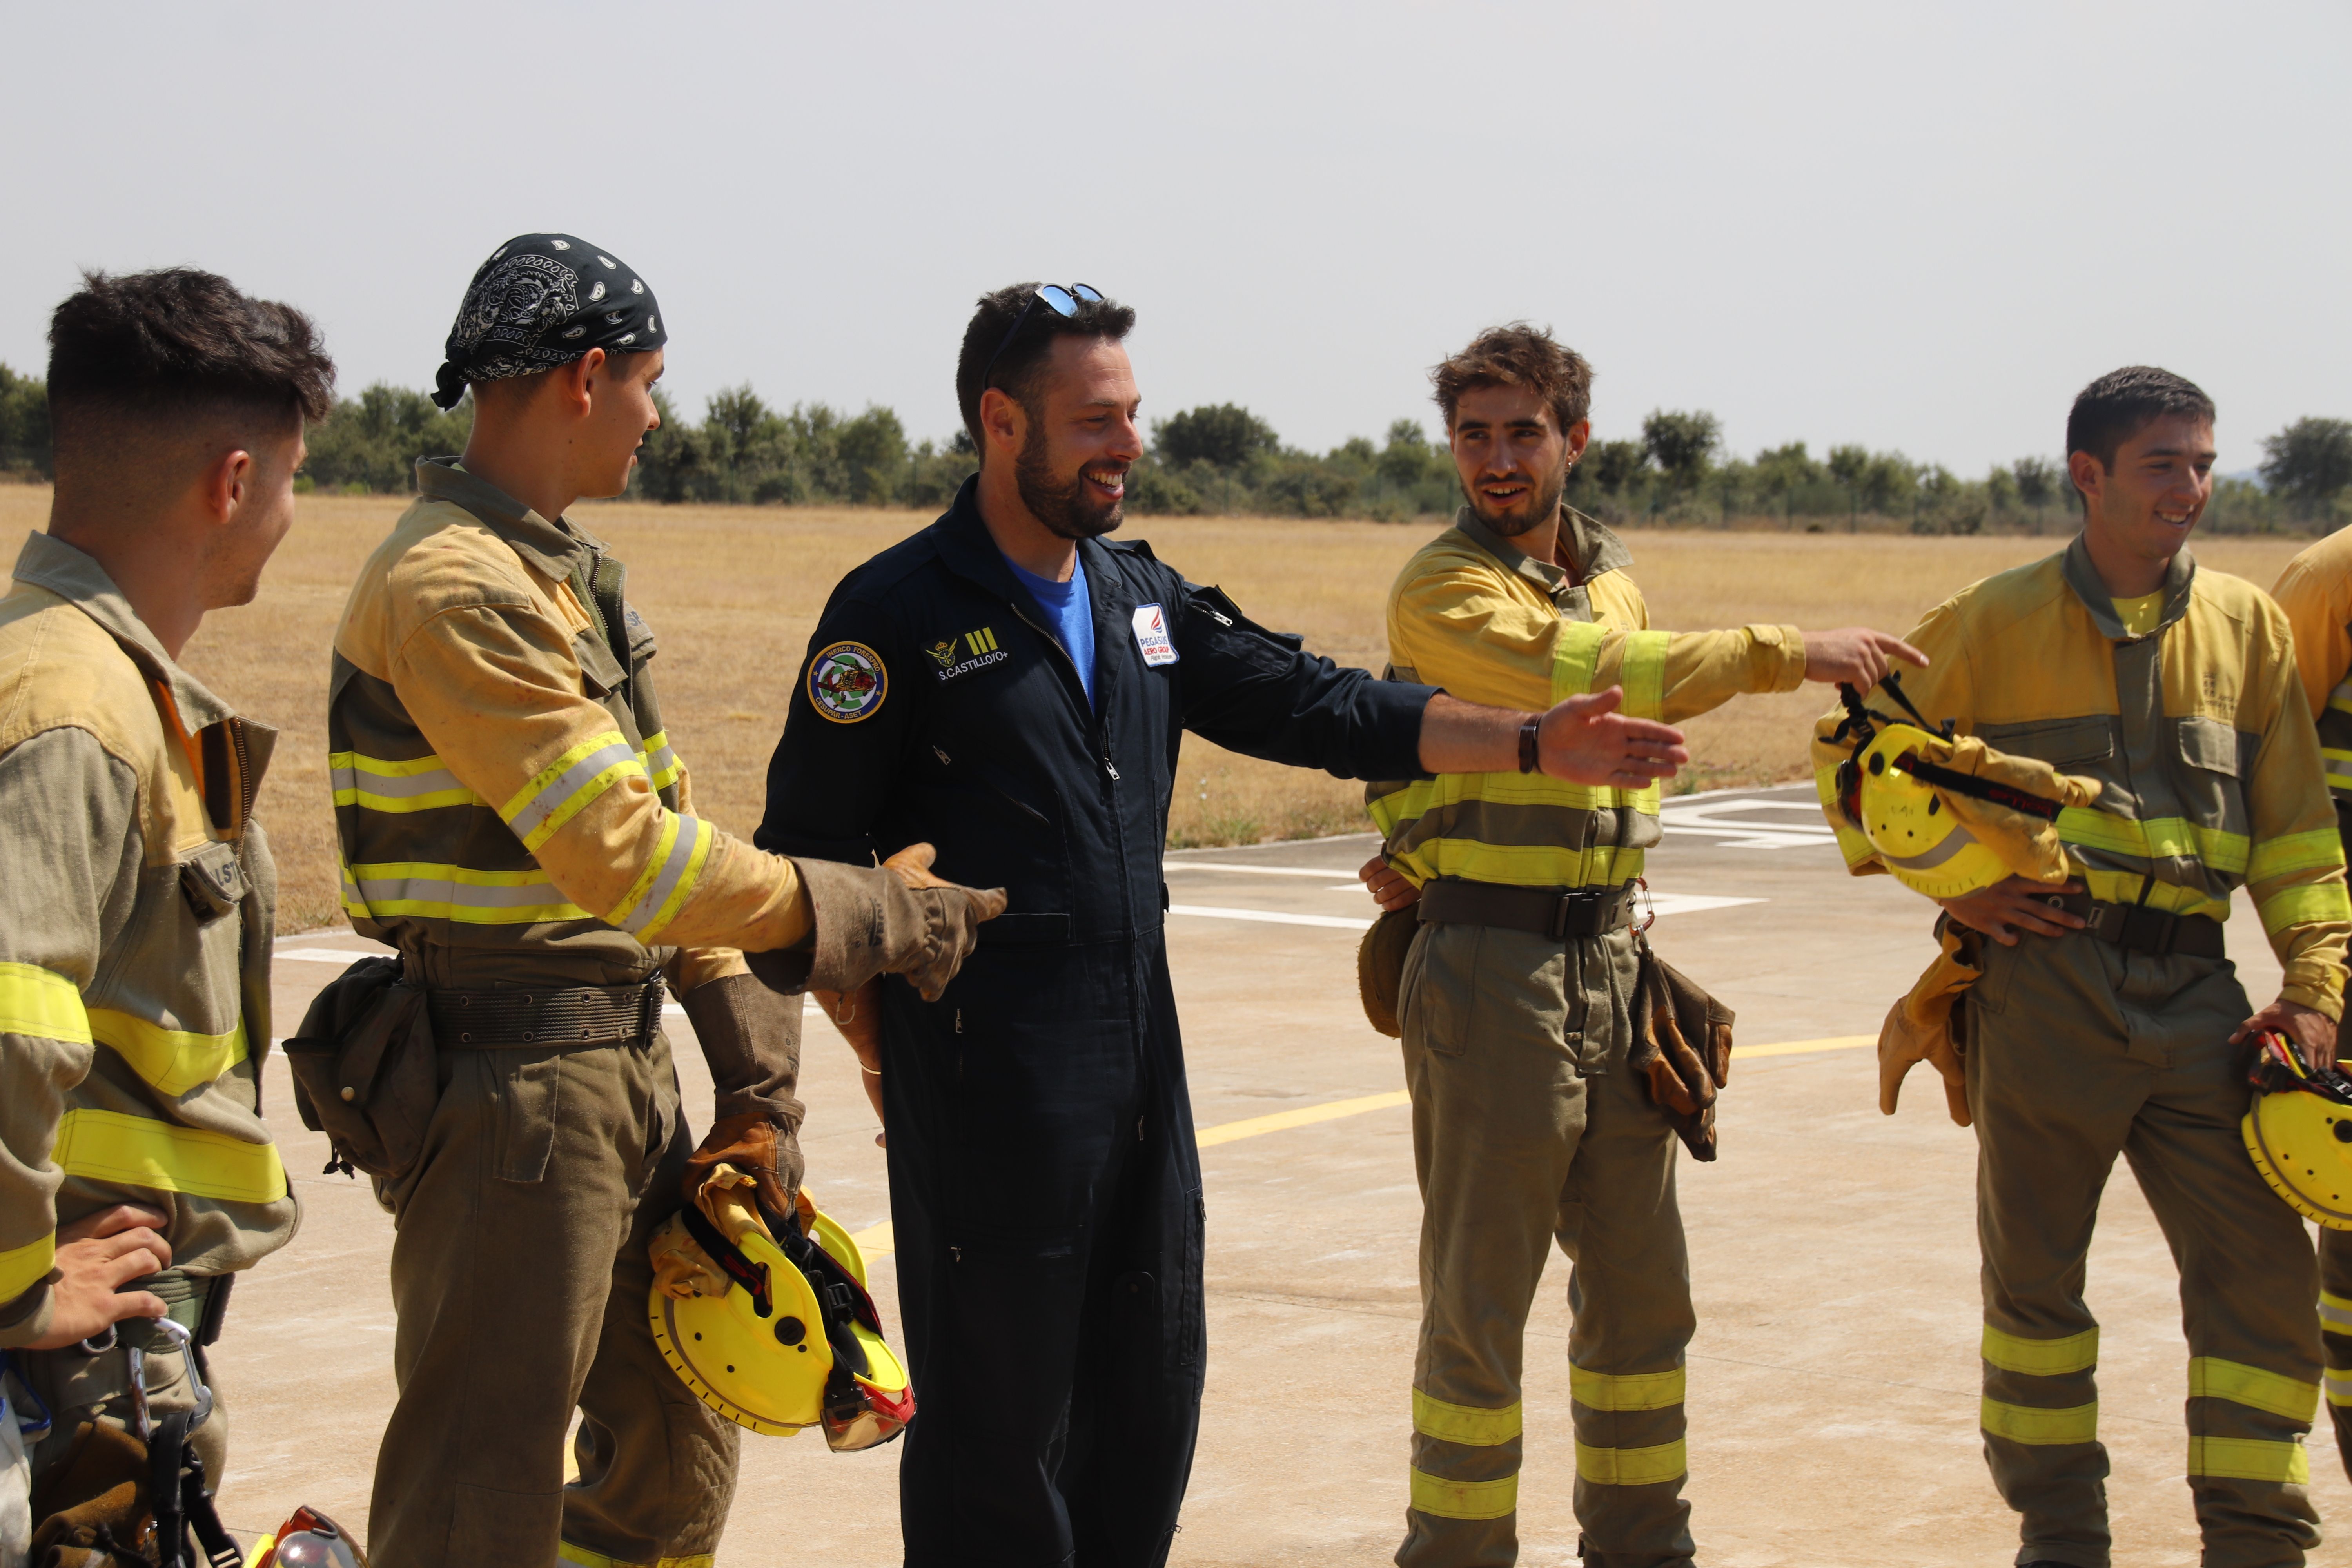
{"x":1914,"y":226}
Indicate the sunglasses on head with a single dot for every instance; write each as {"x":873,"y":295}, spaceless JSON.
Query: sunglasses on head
{"x":1063,"y":302}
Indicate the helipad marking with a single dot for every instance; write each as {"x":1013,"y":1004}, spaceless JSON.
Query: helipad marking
{"x":876,"y":1240}
{"x":1253,"y":870}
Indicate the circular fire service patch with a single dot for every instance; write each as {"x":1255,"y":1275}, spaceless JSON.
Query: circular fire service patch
{"x":846,"y":682}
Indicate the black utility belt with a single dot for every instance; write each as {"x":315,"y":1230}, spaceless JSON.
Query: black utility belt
{"x":561,"y":1018}
{"x":2141,"y":929}
{"x":1547,"y":913}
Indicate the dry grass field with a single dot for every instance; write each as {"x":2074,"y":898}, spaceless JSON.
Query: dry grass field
{"x":735,"y":592}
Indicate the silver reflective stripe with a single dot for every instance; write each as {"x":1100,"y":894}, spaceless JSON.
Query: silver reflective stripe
{"x":2334,"y":1313}
{"x":393,"y":786}
{"x":573,"y":780}
{"x":685,"y":847}
{"x":2339,"y":1387}
{"x":1957,"y":840}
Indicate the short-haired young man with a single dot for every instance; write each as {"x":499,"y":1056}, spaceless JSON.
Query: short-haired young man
{"x":1528,"y":1124}
{"x":1009,"y":686}
{"x":2106,"y":1020}
{"x":2315,"y":592}
{"x":136,"y":890}
{"x":512,"y":817}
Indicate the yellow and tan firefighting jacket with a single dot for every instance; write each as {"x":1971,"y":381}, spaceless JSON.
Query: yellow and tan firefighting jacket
{"x":1471,"y":614}
{"x":2315,"y":592}
{"x":2198,"y":735}
{"x":504,"y":791}
{"x":135,"y":906}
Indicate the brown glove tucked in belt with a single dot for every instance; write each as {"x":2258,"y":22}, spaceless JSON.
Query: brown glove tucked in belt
{"x":1682,"y":1044}
{"x":1925,"y":1025}
{"x":870,"y":921}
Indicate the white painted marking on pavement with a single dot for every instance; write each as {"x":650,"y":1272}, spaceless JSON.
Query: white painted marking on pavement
{"x":1253,"y":870}
{"x":1272,"y":917}
{"x":1717,"y":817}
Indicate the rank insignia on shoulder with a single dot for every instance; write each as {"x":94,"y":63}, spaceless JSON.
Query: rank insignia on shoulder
{"x":1151,"y":635}
{"x":962,"y":654}
{"x":846,"y":682}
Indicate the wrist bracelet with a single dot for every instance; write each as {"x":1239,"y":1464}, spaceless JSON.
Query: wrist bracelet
{"x":1528,"y":733}
{"x":870,"y":1072}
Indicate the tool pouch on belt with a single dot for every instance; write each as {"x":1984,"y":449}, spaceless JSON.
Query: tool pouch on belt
{"x":363,"y":1068}
{"x":1682,"y":1045}
{"x":1380,"y":967}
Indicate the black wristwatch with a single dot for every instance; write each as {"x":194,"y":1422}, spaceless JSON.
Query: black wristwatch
{"x":1528,"y":733}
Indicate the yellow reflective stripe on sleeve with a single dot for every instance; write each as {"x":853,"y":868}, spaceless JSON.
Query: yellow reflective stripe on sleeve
{"x":1464,"y":1423}
{"x":668,"y":878}
{"x":2250,"y":1459}
{"x":2210,"y":1377}
{"x":417,"y":784}
{"x":173,"y":1060}
{"x":2339,"y":1387}
{"x":2038,"y":1427}
{"x":2305,"y":905}
{"x":1644,"y":673}
{"x":1626,"y":1391}
{"x":41,"y":1002}
{"x":661,"y":765}
{"x":2336,"y":1313}
{"x":456,"y":893}
{"x":564,"y":788}
{"x":1463,"y":1500}
{"x":2041,"y":1358}
{"x":110,"y":1146}
{"x":1632,"y":1467}
{"x":1575,"y":654}
{"x":2164,"y":837}
{"x":21,"y":1268}
{"x":2336,"y":765}
{"x":2310,"y":851}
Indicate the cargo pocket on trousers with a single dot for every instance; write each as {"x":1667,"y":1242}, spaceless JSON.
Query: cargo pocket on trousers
{"x":1439,"y":989}
{"x":526,"y":1089}
{"x":488,"y":1526}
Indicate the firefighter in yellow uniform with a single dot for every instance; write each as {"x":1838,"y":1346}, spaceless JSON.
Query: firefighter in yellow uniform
{"x":1527,"y":1126}
{"x":2106,"y":1019}
{"x":2315,"y":592}
{"x":136,"y":1175}
{"x":512,"y":817}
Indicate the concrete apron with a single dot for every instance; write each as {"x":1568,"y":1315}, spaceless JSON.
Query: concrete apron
{"x":1834,"y":1382}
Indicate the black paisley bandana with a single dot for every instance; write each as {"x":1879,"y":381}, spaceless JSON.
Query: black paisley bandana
{"x":541,"y":300}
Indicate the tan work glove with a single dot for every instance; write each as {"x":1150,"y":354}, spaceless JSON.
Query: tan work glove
{"x":872,"y":921}
{"x":768,"y":1154}
{"x":1920,"y":1028}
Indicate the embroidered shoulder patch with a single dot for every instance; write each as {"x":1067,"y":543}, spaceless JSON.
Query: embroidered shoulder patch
{"x":1151,"y":635}
{"x":846,"y":682}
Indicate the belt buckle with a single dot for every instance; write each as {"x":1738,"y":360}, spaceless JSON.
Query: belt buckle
{"x":1563,"y":903}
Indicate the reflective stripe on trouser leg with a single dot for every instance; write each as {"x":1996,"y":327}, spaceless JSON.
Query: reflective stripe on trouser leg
{"x":1497,"y":1119}
{"x":2336,"y":1336}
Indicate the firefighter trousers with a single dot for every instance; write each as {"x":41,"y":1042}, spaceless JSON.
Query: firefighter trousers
{"x":2335,"y":1334}
{"x":2078,"y":1051}
{"x":1528,"y":1129}
{"x":521,"y":1277}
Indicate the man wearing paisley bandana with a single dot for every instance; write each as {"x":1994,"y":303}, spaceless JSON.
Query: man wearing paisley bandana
{"x":512,"y":818}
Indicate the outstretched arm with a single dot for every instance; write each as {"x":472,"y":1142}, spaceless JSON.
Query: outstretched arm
{"x":1584,"y":740}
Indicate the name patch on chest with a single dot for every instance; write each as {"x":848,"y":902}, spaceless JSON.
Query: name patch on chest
{"x":1151,"y":635}
{"x":963,"y":654}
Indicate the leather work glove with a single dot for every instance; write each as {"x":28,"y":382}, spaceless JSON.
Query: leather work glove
{"x":753,"y":1144}
{"x":872,"y":920}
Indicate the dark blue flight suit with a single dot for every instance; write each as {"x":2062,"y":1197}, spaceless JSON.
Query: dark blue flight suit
{"x":1044,"y":1186}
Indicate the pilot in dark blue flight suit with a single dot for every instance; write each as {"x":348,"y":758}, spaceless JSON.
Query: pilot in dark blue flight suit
{"x":1012,"y":688}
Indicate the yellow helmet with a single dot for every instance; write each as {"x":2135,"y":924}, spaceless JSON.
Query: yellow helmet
{"x":2299,"y":1131}
{"x":1907,"y":822}
{"x":791,"y":1340}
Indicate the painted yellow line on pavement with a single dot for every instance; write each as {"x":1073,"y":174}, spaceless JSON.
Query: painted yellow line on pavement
{"x":876,"y":1240}
{"x":1796,"y":1047}
{"x":1304,"y":1116}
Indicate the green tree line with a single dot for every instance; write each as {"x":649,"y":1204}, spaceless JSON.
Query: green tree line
{"x":1223,"y":458}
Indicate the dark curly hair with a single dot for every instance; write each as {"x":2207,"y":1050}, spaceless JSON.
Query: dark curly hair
{"x":176,"y":343}
{"x":1017,"y":366}
{"x":1517,"y":354}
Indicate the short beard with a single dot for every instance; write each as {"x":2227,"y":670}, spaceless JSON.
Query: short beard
{"x":1546,"y":506}
{"x":1063,"y":509}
